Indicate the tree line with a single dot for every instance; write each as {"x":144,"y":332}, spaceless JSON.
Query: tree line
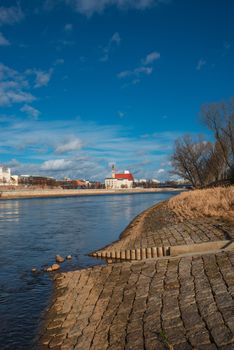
{"x":203,"y":162}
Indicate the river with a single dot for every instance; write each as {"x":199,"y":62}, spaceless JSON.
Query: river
{"x":33,"y":231}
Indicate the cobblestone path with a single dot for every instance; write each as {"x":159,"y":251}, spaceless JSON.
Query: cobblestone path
{"x":158,"y":227}
{"x":176,"y":303}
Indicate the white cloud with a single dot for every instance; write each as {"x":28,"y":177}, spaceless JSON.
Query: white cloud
{"x":8,"y":97}
{"x":160,"y":171}
{"x":73,"y":144}
{"x":10,"y":15}
{"x":13,"y":87}
{"x":42,"y":78}
{"x":115,"y":38}
{"x":113,"y":42}
{"x":200,"y":64}
{"x":136,"y":72}
{"x":31,"y":111}
{"x":89,"y":7}
{"x":3,"y":40}
{"x":143,"y":69}
{"x":38,"y":144}
{"x":151,"y":57}
{"x":56,"y":164}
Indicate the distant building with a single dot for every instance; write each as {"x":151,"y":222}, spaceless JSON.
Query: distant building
{"x":72,"y":184}
{"x":5,"y":175}
{"x":119,"y":180}
{"x":6,"y":178}
{"x":37,"y":180}
{"x":155,"y":181}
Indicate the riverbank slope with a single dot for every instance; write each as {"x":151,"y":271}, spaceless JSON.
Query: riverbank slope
{"x":176,"y":301}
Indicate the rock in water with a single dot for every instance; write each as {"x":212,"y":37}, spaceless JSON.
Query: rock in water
{"x":59,"y":259}
{"x":53,"y":267}
{"x":68,"y":257}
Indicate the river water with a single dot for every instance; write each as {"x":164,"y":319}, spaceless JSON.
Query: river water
{"x":33,"y":231}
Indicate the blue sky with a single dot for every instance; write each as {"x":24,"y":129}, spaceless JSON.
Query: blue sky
{"x":88,"y":83}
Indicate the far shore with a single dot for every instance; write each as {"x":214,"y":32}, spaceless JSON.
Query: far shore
{"x":41,"y":193}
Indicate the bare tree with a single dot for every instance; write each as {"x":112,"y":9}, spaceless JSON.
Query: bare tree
{"x":190,"y":159}
{"x":219,"y":118}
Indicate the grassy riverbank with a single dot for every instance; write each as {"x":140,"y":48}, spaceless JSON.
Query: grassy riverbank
{"x":215,"y":202}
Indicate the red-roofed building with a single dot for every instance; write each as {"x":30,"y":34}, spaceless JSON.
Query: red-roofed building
{"x":125,"y":175}
{"x":119,"y":181}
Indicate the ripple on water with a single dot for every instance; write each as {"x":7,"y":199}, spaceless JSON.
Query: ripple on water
{"x":33,"y":231}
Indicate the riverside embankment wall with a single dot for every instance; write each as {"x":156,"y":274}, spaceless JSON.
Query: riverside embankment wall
{"x":69,"y":193}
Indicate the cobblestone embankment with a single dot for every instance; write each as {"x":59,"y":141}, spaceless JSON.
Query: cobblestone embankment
{"x":183,"y":302}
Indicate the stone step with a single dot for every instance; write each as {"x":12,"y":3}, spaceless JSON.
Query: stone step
{"x":133,"y":254}
{"x":159,"y":252}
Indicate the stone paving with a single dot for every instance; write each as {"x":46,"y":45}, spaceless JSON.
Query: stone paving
{"x":157,"y":227}
{"x":176,"y":303}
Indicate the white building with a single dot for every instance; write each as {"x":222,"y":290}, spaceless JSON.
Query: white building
{"x":6,"y":178}
{"x":155,"y":181}
{"x":119,"y":181}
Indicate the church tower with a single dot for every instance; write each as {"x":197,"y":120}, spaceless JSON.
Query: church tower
{"x":113,"y":171}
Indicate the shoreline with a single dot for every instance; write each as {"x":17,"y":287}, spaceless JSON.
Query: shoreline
{"x":14,"y":194}
{"x":149,"y":303}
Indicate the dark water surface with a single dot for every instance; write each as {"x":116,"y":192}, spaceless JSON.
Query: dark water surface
{"x":33,"y":231}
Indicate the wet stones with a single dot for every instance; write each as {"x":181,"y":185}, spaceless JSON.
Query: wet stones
{"x":53,"y":267}
{"x":59,"y":259}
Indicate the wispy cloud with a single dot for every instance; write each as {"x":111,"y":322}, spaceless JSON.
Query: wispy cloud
{"x":10,"y":15}
{"x":42,"y":78}
{"x":17,"y":87}
{"x":136,"y":72}
{"x":201,"y":63}
{"x":89,"y":7}
{"x":113,"y":42}
{"x":151,"y":57}
{"x":86,"y":152}
{"x":56,"y":165}
{"x":30,"y":111}
{"x":3,"y":40}
{"x":69,"y":145}
{"x":13,"y":87}
{"x":144,"y":69}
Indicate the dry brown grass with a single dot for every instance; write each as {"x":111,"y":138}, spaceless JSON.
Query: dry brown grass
{"x":216,"y":202}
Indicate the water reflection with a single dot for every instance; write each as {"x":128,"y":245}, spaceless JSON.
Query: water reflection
{"x":9,"y":211}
